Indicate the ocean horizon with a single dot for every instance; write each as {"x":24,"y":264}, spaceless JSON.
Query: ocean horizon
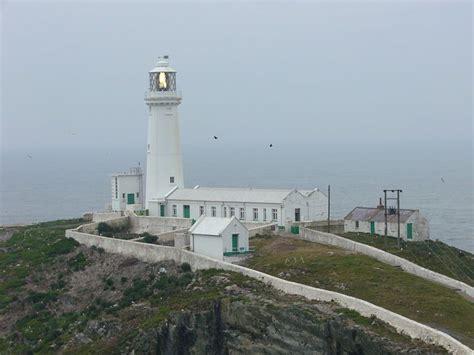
{"x":51,"y":183}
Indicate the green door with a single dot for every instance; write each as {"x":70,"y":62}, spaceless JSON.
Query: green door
{"x":235,"y":242}
{"x":409,"y":231}
{"x":130,"y":199}
{"x":162,"y":210}
{"x":186,"y":211}
{"x":372,"y":228}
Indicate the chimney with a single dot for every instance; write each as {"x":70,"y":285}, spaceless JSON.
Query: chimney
{"x":380,"y":206}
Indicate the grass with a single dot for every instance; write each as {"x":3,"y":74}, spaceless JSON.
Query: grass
{"x":433,"y":255}
{"x":31,"y":249}
{"x":366,"y":278}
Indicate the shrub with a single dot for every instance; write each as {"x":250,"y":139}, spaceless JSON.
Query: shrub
{"x":185,"y":267}
{"x":148,"y":238}
{"x":104,"y":229}
{"x":123,"y":279}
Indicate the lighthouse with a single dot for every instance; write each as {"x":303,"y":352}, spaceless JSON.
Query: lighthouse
{"x":164,"y":167}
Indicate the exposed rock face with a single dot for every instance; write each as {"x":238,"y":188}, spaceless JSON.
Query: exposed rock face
{"x":240,"y":327}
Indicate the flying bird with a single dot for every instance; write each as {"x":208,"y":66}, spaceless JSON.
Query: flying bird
{"x":29,"y":156}
{"x":271,"y":145}
{"x":442,"y":179}
{"x":215,"y":137}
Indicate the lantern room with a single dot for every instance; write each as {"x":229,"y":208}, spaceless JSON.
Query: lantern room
{"x":163,"y":77}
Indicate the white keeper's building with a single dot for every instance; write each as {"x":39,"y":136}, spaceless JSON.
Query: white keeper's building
{"x":218,"y":237}
{"x":165,"y":194}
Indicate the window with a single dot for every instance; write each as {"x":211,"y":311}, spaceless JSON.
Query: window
{"x":138,"y":194}
{"x":175,"y":211}
{"x":225,"y":212}
{"x":264,"y":214}
{"x":123,"y":195}
{"x":357,"y":224}
{"x":148,"y":147}
{"x":213,"y":211}
{"x":242,"y":213}
{"x":232,"y":211}
{"x":274,"y":214}
{"x":255,"y":214}
{"x":201,"y":210}
{"x":116,"y":188}
{"x":171,"y":179}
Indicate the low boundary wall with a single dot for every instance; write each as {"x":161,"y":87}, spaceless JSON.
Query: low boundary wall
{"x":266,"y":228}
{"x":412,"y":268}
{"x":157,"y":253}
{"x":157,"y":225}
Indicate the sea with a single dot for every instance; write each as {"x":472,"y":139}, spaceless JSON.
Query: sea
{"x":50,"y":183}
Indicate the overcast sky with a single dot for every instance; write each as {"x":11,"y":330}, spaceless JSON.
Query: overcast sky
{"x":296,"y":72}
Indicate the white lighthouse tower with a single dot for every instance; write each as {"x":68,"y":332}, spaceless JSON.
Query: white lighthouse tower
{"x":164,"y":168}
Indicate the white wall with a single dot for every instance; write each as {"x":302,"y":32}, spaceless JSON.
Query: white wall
{"x":420,"y":228}
{"x":312,"y":208}
{"x":209,"y":245}
{"x":235,"y":228}
{"x":195,"y":211}
{"x":126,"y":184}
{"x":164,"y":147}
{"x":157,"y":225}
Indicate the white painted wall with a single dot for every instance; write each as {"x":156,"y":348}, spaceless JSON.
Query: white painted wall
{"x":235,"y":228}
{"x":420,"y":228}
{"x":248,"y":208}
{"x":209,"y":245}
{"x":164,"y":158}
{"x":126,"y":184}
{"x":312,"y":208}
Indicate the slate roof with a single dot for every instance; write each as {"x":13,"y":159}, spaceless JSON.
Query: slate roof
{"x":241,"y":195}
{"x":211,"y":225}
{"x":377,"y":215}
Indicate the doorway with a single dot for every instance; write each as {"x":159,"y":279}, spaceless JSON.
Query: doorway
{"x":186,"y":211}
{"x":235,"y":242}
{"x":297,"y":215}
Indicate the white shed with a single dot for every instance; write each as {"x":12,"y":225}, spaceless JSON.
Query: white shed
{"x":218,"y":237}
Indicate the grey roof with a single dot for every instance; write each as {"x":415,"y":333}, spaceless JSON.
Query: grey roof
{"x":241,"y":195}
{"x":212,"y":225}
{"x":377,"y":215}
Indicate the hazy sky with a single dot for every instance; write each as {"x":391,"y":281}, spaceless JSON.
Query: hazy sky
{"x":249,"y":72}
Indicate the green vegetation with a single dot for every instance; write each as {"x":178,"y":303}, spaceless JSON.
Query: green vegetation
{"x":363,"y":277}
{"x":148,"y":238}
{"x":107,"y":230}
{"x":32,"y":249}
{"x":433,"y":255}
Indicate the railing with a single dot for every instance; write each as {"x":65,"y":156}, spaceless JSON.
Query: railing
{"x":162,"y":94}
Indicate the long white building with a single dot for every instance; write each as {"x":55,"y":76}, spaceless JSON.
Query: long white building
{"x":246,"y":204}
{"x":165,"y":194}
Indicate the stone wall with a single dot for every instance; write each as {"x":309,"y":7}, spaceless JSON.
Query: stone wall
{"x":156,"y":253}
{"x":167,"y":236}
{"x":262,"y":229}
{"x":120,"y":222}
{"x":412,"y":268}
{"x":102,"y":217}
{"x":157,"y":225}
